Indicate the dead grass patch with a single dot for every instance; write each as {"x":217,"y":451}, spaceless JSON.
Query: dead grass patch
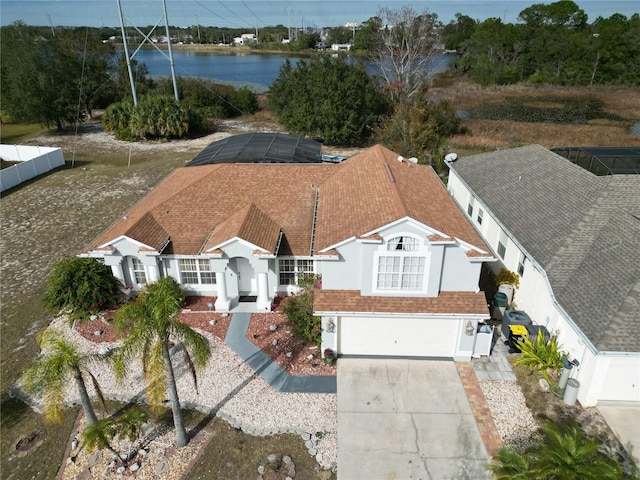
{"x":492,"y":134}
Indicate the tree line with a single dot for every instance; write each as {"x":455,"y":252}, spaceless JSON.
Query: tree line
{"x":551,"y":44}
{"x":58,"y":78}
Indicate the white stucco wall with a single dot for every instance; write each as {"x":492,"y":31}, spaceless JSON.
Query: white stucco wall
{"x":602,"y":375}
{"x":447,"y":266}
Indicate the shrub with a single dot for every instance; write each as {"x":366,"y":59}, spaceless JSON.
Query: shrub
{"x":299,"y":312}
{"x":507,"y":277}
{"x":82,"y":285}
{"x":564,"y":454}
{"x":542,"y":355}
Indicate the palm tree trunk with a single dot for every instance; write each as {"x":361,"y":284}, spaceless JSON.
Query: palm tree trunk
{"x":89,"y":414}
{"x":172,"y":389}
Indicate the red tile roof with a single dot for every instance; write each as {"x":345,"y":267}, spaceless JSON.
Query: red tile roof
{"x":204,"y":206}
{"x":345,"y":301}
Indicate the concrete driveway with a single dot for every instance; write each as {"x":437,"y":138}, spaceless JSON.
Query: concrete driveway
{"x":406,"y":419}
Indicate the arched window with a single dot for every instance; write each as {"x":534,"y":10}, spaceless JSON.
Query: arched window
{"x":402,"y":265}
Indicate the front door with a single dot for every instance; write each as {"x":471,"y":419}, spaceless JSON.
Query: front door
{"x":246,"y":277}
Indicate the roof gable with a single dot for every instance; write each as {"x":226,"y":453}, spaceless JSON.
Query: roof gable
{"x":148,"y":232}
{"x":375,"y":189}
{"x":249,"y":224}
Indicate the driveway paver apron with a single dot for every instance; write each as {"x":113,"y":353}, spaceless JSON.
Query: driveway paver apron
{"x":406,"y":419}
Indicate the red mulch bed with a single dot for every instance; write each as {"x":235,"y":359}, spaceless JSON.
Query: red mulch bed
{"x":260,"y":334}
{"x":195,"y":313}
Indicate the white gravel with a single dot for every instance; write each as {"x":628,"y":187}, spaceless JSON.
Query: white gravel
{"x":511,"y":416}
{"x":230,"y":388}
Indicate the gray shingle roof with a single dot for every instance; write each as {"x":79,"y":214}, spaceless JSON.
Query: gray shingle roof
{"x":582,"y":229}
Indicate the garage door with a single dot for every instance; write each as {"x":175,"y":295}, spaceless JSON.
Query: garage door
{"x":397,"y":337}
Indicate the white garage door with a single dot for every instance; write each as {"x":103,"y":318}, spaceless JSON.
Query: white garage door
{"x":412,"y":337}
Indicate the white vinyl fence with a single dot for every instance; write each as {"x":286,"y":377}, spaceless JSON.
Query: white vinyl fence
{"x":34,"y":161}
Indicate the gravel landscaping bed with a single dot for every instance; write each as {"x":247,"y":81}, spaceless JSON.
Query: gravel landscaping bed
{"x":228,"y":388}
{"x":511,"y":416}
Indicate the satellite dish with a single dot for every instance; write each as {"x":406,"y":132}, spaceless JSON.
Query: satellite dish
{"x":451,"y":157}
{"x":413,"y":159}
{"x":400,"y":158}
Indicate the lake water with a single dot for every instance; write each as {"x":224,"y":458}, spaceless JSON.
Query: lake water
{"x":256,"y":71}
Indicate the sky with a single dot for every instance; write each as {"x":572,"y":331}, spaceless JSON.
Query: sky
{"x":253,"y":13}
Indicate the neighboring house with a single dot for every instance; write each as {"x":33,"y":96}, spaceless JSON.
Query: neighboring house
{"x":574,"y":238}
{"x":245,"y":38}
{"x":400,"y":262}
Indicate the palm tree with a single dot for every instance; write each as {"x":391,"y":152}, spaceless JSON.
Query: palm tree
{"x":150,"y":323}
{"x":50,"y":374}
{"x":566,"y":455}
{"x":99,"y":434}
{"x":509,"y":464}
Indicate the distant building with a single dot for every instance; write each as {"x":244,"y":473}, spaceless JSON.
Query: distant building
{"x":245,"y":38}
{"x":336,"y":47}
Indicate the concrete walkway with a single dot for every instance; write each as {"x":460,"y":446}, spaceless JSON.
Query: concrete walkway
{"x":624,"y":420}
{"x":269,"y":370}
{"x":406,"y":419}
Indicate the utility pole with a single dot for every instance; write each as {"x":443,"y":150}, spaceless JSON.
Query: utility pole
{"x":198,"y":24}
{"x":173,"y":69}
{"x":146,"y":38}
{"x":126,"y":54}
{"x":53,"y":32}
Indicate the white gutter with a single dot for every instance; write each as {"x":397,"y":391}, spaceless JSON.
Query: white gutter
{"x":539,"y":267}
{"x":399,"y":314}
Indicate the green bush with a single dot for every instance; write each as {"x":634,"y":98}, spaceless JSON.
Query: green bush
{"x":542,"y":355}
{"x":82,"y":285}
{"x":299,"y":312}
{"x":564,"y":454}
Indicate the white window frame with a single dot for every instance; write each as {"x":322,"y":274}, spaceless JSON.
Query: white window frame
{"x":300,"y":268}
{"x":138,"y":269}
{"x":202,"y":267}
{"x":403,"y":270}
{"x":480,"y":216}
{"x":502,"y":244}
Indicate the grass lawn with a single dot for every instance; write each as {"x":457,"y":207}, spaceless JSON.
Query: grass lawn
{"x":13,"y":133}
{"x":43,"y":221}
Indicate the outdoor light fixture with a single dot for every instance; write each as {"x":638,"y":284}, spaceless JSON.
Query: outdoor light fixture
{"x":468,"y":329}
{"x":331,"y":326}
{"x":209,"y":305}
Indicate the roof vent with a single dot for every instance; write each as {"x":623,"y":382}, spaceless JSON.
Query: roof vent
{"x":400,"y":158}
{"x":451,"y":157}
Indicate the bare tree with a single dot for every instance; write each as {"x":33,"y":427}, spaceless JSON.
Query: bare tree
{"x":405,"y":44}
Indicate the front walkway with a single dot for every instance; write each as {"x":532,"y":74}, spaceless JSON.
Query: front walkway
{"x":269,"y":370}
